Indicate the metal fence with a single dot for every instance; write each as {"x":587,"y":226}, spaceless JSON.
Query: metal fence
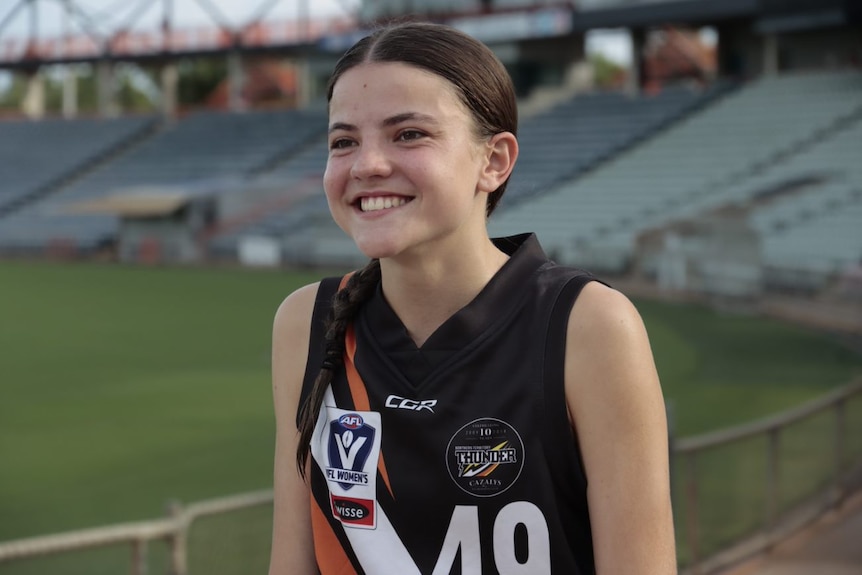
{"x":740,"y":490}
{"x":175,"y":530}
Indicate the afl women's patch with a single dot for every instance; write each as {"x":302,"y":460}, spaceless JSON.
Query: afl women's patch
{"x":485,"y":457}
{"x":346,"y":447}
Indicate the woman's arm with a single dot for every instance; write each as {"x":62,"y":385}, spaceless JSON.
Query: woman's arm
{"x":292,"y":546}
{"x":617,"y":409}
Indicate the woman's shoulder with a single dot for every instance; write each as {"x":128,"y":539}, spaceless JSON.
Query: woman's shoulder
{"x":297,"y":312}
{"x":607,"y":348}
{"x":606,"y":334}
{"x":296,"y":309}
{"x":604,"y":310}
{"x":291,"y":334}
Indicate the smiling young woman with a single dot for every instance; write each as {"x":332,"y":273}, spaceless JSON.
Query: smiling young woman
{"x":461,"y":404}
{"x":406,"y":167}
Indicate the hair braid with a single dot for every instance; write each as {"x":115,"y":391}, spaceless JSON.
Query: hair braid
{"x":345,"y":304}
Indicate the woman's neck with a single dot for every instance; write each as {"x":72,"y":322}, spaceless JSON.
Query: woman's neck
{"x":425,"y":292}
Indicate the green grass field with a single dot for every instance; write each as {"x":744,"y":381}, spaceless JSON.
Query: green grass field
{"x":122,"y":388}
{"x":125,"y":387}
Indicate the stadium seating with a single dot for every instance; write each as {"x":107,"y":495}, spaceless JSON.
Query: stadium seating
{"x":595,"y":172}
{"x":203,"y":146}
{"x":36,"y":155}
{"x":301,"y":175}
{"x":813,"y":234}
{"x":705,"y":161}
{"x":572,"y":137}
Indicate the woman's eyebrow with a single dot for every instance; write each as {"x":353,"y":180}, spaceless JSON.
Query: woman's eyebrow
{"x":342,"y":126}
{"x":388,"y":122}
{"x":408,"y":117}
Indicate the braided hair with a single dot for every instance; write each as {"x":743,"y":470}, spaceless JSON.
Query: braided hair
{"x":345,"y":303}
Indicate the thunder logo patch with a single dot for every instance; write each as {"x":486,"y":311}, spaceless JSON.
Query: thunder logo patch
{"x":485,"y":457}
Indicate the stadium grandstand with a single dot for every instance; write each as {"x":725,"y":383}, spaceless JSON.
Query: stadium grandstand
{"x":749,"y":107}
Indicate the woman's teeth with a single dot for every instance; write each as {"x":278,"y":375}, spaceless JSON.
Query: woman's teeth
{"x":380,"y":203}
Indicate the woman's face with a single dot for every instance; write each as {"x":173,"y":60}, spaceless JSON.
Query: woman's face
{"x":404,"y":168}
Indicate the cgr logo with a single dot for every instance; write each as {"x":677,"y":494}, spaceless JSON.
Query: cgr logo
{"x":398,"y":402}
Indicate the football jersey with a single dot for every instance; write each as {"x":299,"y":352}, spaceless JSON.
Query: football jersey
{"x":456,"y":457}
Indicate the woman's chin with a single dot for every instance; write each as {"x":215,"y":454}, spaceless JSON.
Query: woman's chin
{"x":377,"y":248}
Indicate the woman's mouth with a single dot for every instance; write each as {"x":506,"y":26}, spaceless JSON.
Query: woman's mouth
{"x":377,"y":203}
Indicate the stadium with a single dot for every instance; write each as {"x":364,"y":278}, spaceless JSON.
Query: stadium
{"x":161,"y":192}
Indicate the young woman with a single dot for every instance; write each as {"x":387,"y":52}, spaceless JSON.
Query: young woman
{"x":461,"y":404}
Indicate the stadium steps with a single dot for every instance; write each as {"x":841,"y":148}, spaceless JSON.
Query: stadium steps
{"x":741,"y":175}
{"x":819,"y":237}
{"x":256,"y":211}
{"x":282,"y":157}
{"x":298,"y":175}
{"x":291,"y":223}
{"x":543,"y":98}
{"x":806,"y":208}
{"x":691,"y":168}
{"x":551,"y":155}
{"x":720,"y":192}
{"x":204,"y":150}
{"x":820,"y":134}
{"x":84,"y":168}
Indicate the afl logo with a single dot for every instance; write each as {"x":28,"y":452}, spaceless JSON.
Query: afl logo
{"x":351,"y":421}
{"x":485,"y":457}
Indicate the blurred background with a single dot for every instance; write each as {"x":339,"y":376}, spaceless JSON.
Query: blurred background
{"x":161,"y":193}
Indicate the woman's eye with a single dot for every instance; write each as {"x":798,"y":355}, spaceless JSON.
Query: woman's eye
{"x":340,"y":144}
{"x":408,"y":135}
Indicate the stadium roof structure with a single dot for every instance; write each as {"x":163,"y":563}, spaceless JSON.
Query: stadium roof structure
{"x":658,"y":13}
{"x":770,"y":15}
{"x":92,"y":38}
{"x":301,"y":35}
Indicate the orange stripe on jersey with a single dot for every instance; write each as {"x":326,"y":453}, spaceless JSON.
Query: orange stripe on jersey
{"x":359,"y":394}
{"x":344,"y":280}
{"x":357,"y":386}
{"x":331,"y":558}
{"x":354,"y":380}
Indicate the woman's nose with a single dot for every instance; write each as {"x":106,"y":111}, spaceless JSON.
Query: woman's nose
{"x":370,"y":160}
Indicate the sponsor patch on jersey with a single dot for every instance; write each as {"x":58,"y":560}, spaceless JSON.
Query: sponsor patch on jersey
{"x":346,"y":448}
{"x":485,"y":457}
{"x":352,"y":511}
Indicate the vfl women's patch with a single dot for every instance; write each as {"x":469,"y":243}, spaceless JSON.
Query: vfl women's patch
{"x":485,"y":457}
{"x":350,"y":443}
{"x":346,"y":447}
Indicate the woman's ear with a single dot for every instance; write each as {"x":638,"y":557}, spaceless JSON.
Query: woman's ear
{"x":501,"y":152}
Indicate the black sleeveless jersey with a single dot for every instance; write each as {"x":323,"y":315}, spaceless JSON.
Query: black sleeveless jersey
{"x":457,"y":457}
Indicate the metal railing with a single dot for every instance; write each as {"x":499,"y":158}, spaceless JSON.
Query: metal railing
{"x":173,"y":529}
{"x":777,"y":520}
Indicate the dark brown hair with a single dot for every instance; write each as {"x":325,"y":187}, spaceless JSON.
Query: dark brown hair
{"x":484,"y":87}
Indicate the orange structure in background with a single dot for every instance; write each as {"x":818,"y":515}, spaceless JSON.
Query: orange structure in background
{"x":673,"y":54}
{"x":131,"y":44}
